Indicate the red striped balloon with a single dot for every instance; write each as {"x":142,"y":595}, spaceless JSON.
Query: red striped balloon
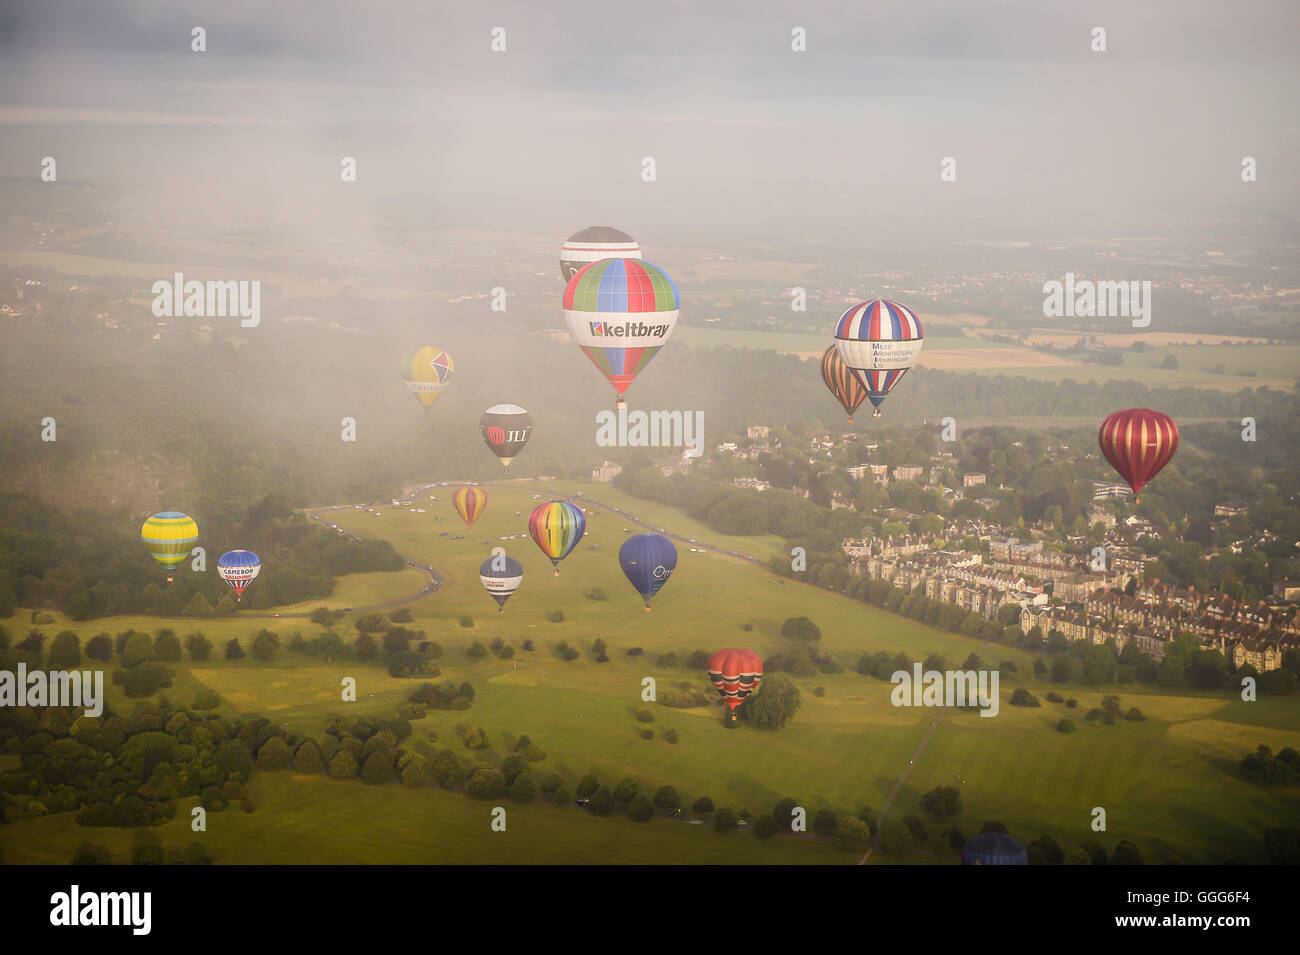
{"x":735,"y":674}
{"x":1138,"y":442}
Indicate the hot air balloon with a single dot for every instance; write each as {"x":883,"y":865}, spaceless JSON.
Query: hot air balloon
{"x":469,"y":503}
{"x":879,"y":342}
{"x":846,"y":388}
{"x":993,"y":848}
{"x":1138,"y":442}
{"x":169,"y":535}
{"x":502,"y":582}
{"x":426,"y":372}
{"x":648,"y":560}
{"x":238,"y":568}
{"x":557,"y":526}
{"x":593,"y":244}
{"x":735,"y":674}
{"x":506,"y":429}
{"x":620,"y":312}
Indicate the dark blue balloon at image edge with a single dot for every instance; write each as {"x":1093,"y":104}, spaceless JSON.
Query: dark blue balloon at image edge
{"x":648,"y":560}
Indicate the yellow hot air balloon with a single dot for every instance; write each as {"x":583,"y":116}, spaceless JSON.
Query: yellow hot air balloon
{"x":469,"y":503}
{"x":169,"y":535}
{"x":426,"y":372}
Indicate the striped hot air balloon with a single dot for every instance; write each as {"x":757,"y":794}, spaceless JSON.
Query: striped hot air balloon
{"x":169,"y":536}
{"x":557,"y":526}
{"x":621,"y":312}
{"x":841,"y":382}
{"x":238,"y":568}
{"x":735,"y":673}
{"x":1138,"y":442}
{"x":879,"y":342}
{"x":469,"y":503}
{"x":426,"y":372}
{"x":501,"y":577}
{"x":593,"y":244}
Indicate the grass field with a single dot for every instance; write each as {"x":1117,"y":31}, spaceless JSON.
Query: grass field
{"x":1167,"y":783}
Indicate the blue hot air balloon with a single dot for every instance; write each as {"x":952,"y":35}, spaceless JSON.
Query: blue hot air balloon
{"x":648,"y":561}
{"x":501,"y":577}
{"x":993,"y":848}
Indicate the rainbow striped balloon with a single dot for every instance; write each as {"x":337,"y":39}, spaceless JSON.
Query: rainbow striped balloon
{"x":557,"y":526}
{"x":169,"y":536}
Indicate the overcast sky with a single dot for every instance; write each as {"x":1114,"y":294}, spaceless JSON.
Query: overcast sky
{"x":746,"y":133}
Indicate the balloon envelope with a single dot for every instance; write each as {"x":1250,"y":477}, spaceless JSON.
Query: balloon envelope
{"x":841,"y":382}
{"x":993,"y":848}
{"x":1138,"y":442}
{"x":735,"y":673}
{"x":621,"y":312}
{"x":238,"y":568}
{"x":879,"y":341}
{"x":169,"y":536}
{"x":469,"y":503}
{"x":648,"y":560}
{"x":426,"y":372}
{"x":505,"y":429}
{"x":593,"y":244}
{"x":502,"y":582}
{"x":557,"y":526}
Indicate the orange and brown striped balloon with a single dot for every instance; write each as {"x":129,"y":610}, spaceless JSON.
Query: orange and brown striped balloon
{"x":1138,"y":442}
{"x":846,"y":388}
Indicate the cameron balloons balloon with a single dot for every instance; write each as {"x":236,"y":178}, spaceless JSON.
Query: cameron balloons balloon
{"x":238,"y":568}
{"x":620,"y":312}
{"x":557,"y":526}
{"x":879,"y":342}
{"x":735,"y":674}
{"x":169,"y":535}
{"x":648,"y":560}
{"x":506,"y":429}
{"x":469,"y":503}
{"x":848,"y":391}
{"x":501,"y":577}
{"x":1138,"y":442}
{"x":426,"y":372}
{"x":593,"y":244}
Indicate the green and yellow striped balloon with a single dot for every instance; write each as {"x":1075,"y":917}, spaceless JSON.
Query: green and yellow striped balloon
{"x":170,"y":535}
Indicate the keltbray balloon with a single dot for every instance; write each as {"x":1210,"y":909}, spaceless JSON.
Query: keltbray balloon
{"x":648,"y":560}
{"x":879,"y":342}
{"x":620,"y":312}
{"x":426,"y":372}
{"x":501,"y":577}
{"x":593,"y":244}
{"x":841,"y":382}
{"x":469,"y":503}
{"x":505,"y":429}
{"x":169,"y":536}
{"x":1138,"y":442}
{"x":735,"y":673}
{"x":238,"y":568}
{"x":557,"y":526}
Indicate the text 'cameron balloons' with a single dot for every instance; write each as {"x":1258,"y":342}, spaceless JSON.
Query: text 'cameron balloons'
{"x":169,"y":536}
{"x":648,"y":560}
{"x":879,"y":342}
{"x":557,"y":526}
{"x":426,"y":372}
{"x":848,"y":391}
{"x":620,"y":312}
{"x":501,"y":576}
{"x":506,"y":429}
{"x":735,"y":674}
{"x":993,"y":848}
{"x":1138,"y":442}
{"x":238,"y":568}
{"x":469,"y":503}
{"x":593,"y":244}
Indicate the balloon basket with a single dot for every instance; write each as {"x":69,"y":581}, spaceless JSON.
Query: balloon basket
{"x":169,"y":578}
{"x":876,"y":414}
{"x":557,"y":573}
{"x":647,"y":608}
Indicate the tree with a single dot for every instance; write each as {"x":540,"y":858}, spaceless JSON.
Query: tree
{"x":895,"y":839}
{"x":765,"y":827}
{"x":343,"y":765}
{"x":724,"y":820}
{"x":198,"y":646}
{"x":365,"y":647}
{"x":1126,"y":853}
{"x":233,"y":650}
{"x":1170,"y":362}
{"x":867,"y":816}
{"x":703,"y":805}
{"x":666,"y":798}
{"x":852,"y":835}
{"x":641,"y":809}
{"x":485,"y":783}
{"x":523,"y":789}
{"x":65,"y":651}
{"x":100,"y":648}
{"x":783,"y":813}
{"x":274,"y":754}
{"x":602,"y":802}
{"x":774,"y":705}
{"x":90,"y":853}
{"x":942,"y":802}
{"x":587,"y":786}
{"x":825,"y":822}
{"x":265,"y":645}
{"x":626,"y":789}
{"x":308,"y":759}
{"x":137,"y":649}
{"x":802,"y":629}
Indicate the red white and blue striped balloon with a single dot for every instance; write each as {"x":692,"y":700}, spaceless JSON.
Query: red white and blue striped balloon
{"x":879,"y":342}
